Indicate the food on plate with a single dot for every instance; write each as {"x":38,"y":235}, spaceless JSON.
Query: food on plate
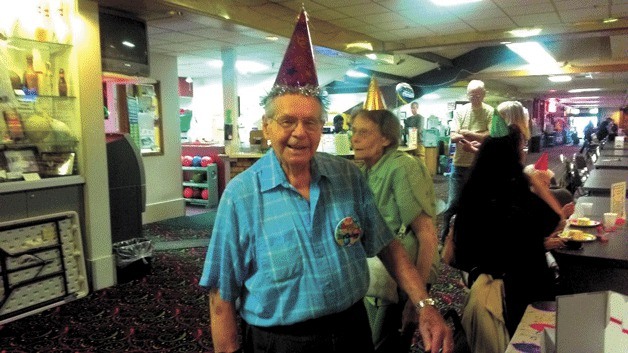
{"x":583,"y":221}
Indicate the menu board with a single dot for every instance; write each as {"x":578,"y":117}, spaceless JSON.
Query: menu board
{"x":618,"y":198}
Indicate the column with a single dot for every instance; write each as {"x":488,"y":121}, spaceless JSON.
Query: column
{"x":230,"y":100}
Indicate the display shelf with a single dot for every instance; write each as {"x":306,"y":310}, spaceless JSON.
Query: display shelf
{"x":209,"y":182}
{"x":52,"y":48}
{"x":39,"y":122}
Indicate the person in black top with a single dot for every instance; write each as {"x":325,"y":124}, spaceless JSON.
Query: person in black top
{"x":501,"y":225}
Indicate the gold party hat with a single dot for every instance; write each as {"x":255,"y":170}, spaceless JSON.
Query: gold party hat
{"x":374,"y":99}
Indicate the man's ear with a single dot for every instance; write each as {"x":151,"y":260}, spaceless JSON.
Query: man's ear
{"x":265,"y":127}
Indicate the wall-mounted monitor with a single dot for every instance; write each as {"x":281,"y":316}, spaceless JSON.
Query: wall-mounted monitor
{"x":123,"y":44}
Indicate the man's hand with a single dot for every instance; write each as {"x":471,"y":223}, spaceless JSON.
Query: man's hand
{"x":434,"y":330}
{"x":470,"y":146}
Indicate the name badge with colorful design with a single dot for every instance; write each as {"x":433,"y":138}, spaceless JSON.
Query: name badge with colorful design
{"x":348,"y":232}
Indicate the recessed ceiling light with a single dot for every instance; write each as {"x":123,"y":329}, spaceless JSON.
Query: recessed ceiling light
{"x":356,"y":74}
{"x":559,"y":78}
{"x":431,"y":96}
{"x":452,"y":2}
{"x":525,"y":32}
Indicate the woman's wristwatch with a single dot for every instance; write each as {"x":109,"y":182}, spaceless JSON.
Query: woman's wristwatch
{"x":425,"y":302}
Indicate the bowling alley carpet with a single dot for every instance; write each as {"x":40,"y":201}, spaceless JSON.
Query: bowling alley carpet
{"x":162,"y":311}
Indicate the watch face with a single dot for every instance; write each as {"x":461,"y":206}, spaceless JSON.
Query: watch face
{"x":425,"y":302}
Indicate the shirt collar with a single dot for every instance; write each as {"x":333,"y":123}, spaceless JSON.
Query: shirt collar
{"x":272,"y":175}
{"x":379,"y":163}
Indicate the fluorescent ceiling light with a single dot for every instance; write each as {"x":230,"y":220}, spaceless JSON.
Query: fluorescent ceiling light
{"x":594,"y":111}
{"x":251,"y":67}
{"x":525,"y":32}
{"x":243,"y":66}
{"x":452,"y":2}
{"x":580,"y":90}
{"x":382,"y":58}
{"x":360,"y":46}
{"x":610,"y":20}
{"x":126,"y":43}
{"x":272,"y":38}
{"x":534,"y":54}
{"x":559,"y":78}
{"x":431,"y":96}
{"x":356,"y":74}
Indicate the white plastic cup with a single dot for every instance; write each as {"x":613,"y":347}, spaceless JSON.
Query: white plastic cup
{"x":586,"y":209}
{"x":609,"y":219}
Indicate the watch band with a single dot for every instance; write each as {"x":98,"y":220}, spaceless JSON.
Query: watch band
{"x":425,"y":302}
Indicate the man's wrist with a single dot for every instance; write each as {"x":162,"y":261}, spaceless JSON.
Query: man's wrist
{"x":424,"y":303}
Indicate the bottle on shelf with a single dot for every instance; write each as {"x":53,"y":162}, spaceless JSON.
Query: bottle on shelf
{"x":63,"y":86}
{"x":31,"y":80}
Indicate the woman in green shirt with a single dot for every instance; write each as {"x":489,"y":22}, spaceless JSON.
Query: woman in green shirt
{"x":404,"y":193}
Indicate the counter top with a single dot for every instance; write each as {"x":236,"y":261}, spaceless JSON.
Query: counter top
{"x":17,"y":186}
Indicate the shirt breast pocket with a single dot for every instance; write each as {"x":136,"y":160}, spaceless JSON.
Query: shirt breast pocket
{"x":280,"y":256}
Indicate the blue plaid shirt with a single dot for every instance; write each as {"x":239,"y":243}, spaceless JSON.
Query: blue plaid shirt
{"x":278,"y":251}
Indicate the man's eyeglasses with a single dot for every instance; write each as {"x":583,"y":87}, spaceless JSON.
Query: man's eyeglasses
{"x":310,"y":125}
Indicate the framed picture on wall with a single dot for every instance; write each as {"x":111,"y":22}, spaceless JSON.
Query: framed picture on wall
{"x":22,"y":160}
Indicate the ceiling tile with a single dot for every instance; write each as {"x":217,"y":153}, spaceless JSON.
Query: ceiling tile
{"x":296,"y":5}
{"x":580,"y":4}
{"x":388,"y":20}
{"x":579,"y":15}
{"x":174,"y":24}
{"x":176,"y":37}
{"x":497,"y":23}
{"x":336,"y":3}
{"x":516,"y":10}
{"x":349,"y":22}
{"x":327,"y":15}
{"x":548,"y":18}
{"x":413,"y":32}
{"x":362,"y":9}
{"x":619,"y":10}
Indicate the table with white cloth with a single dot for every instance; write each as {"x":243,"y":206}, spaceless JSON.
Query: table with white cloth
{"x":529,"y":336}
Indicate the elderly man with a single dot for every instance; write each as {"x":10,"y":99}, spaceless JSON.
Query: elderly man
{"x":292,"y":235}
{"x":469,"y":127}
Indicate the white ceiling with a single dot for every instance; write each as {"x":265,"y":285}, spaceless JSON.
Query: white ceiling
{"x":594,"y":53}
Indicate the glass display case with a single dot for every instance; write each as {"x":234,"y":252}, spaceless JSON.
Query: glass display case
{"x":39,"y":127}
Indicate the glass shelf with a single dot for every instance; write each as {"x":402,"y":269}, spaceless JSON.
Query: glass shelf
{"x":22,"y":44}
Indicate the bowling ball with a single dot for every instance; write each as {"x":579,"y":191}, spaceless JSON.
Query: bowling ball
{"x":186,"y":161}
{"x":198,"y":177}
{"x":188,"y":192}
{"x":205,"y":194}
{"x":206,"y":160}
{"x":196,"y":161}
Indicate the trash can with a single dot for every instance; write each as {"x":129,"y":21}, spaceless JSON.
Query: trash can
{"x":133,"y":258}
